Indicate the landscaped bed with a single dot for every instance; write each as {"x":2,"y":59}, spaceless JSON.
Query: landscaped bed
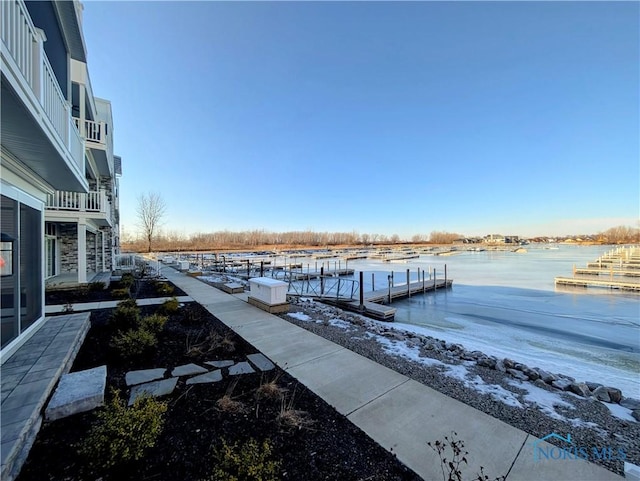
{"x":263,"y":420}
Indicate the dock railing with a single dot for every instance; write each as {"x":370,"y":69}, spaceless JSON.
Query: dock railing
{"x":324,"y":287}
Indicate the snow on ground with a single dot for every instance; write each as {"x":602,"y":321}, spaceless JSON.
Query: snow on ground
{"x":534,"y":396}
{"x":620,"y":412}
{"x":301,"y":316}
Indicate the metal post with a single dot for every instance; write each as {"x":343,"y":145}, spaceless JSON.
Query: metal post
{"x":408,"y":284}
{"x":361,"y":290}
{"x":373,"y":282}
{"x":248,"y":268}
{"x":423,"y":285}
{"x":261,"y":268}
{"x":338,"y":291}
{"x":389,"y":280}
{"x":322,"y":280}
{"x":445,"y":275}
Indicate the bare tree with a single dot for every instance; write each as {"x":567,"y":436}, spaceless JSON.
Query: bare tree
{"x":151,"y":209}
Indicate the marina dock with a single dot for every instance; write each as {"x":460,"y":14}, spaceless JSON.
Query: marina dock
{"x":617,"y":269}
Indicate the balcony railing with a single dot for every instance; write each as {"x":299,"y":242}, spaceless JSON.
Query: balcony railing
{"x":93,"y":131}
{"x":93,"y":201}
{"x":25,"y":45}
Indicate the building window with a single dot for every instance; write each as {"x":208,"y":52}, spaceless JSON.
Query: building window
{"x":22,"y":287}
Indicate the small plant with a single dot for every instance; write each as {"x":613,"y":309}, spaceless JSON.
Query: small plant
{"x":154,"y":323}
{"x":170,"y":306}
{"x":127,"y":280}
{"x":125,"y":316}
{"x":270,"y":389}
{"x":451,"y":468}
{"x":127,"y":303}
{"x":120,"y":293}
{"x":248,"y":461}
{"x":164,"y":289}
{"x":97,"y":286}
{"x":134,"y":343}
{"x":229,"y":405}
{"x":123,"y":434}
{"x":291,"y":418}
{"x":211,"y":343}
{"x":68,"y":307}
{"x":191,"y":316}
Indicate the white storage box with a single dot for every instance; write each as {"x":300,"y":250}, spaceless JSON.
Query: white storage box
{"x":267,"y":290}
{"x":183,"y":265}
{"x":168,"y":259}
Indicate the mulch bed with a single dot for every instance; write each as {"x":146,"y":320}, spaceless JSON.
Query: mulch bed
{"x":142,"y":289}
{"x":326,"y":447}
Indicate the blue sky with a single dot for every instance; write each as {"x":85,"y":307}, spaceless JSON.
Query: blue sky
{"x":380,"y":117}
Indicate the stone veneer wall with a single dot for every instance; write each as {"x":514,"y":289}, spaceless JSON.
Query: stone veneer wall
{"x":91,"y":252}
{"x":108,"y":249}
{"x":68,"y":241}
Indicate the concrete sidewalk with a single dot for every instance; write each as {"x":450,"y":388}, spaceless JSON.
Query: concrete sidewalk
{"x":398,"y":413}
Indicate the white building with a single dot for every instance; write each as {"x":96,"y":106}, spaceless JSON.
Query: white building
{"x":54,"y":166}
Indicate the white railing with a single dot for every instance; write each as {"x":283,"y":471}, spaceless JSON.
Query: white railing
{"x":93,"y":201}
{"x":20,"y":37}
{"x":94,"y":131}
{"x":25,"y":44}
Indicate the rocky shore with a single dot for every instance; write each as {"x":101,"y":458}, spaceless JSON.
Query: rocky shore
{"x":529,"y":398}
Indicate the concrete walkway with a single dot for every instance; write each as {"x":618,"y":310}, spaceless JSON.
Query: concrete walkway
{"x":397,"y":412}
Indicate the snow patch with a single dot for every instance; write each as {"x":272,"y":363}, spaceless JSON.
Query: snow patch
{"x":620,"y":412}
{"x":301,"y":316}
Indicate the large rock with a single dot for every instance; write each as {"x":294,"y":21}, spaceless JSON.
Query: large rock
{"x":615,"y":394}
{"x":532,"y":374}
{"x":593,"y":385}
{"x":562,"y":384}
{"x":547,"y":376}
{"x":240,"y":368}
{"x":630,"y":403}
{"x":636,"y":414}
{"x":77,"y":392}
{"x":602,"y":394}
{"x":500,"y":366}
{"x":518,"y":374}
{"x":580,"y":388}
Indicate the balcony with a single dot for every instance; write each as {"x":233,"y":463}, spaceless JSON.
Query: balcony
{"x":95,"y":135}
{"x":94,"y":205}
{"x":37,"y":126}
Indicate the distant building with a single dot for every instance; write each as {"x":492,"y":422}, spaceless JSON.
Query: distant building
{"x":494,"y":239}
{"x":59,"y":182}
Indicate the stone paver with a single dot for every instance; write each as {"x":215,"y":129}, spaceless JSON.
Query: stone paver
{"x":144,"y":375}
{"x":213,"y":376}
{"x":153,"y":388}
{"x":260,"y":361}
{"x":220,"y":363}
{"x":188,"y":370}
{"x":241,"y":368}
{"x":78,"y":392}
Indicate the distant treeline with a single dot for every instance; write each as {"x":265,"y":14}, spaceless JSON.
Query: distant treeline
{"x":173,"y":240}
{"x":252,"y":239}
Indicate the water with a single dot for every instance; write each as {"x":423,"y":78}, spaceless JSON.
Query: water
{"x":506,"y":304}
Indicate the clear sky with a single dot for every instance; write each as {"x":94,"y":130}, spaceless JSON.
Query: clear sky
{"x":380,"y":117}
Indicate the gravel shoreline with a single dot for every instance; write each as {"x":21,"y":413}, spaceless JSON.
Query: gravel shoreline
{"x":590,"y":423}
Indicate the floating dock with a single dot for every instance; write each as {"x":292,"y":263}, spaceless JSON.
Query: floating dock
{"x":617,"y":269}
